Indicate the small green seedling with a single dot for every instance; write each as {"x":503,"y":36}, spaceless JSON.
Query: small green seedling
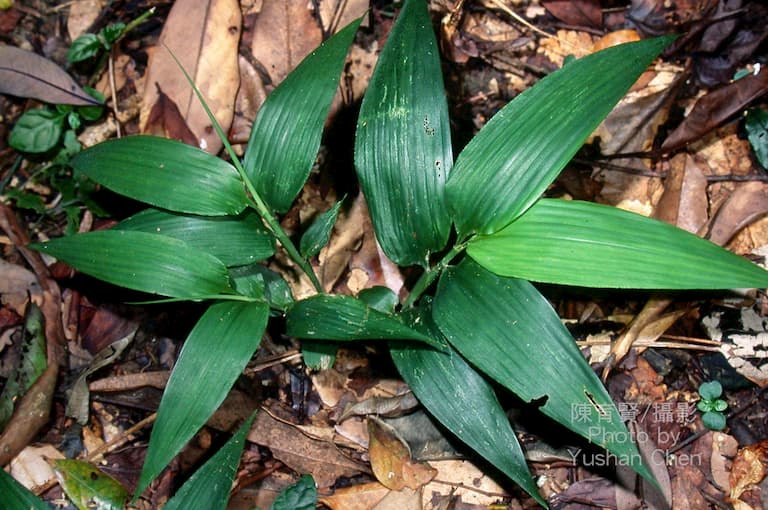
{"x":711,"y":405}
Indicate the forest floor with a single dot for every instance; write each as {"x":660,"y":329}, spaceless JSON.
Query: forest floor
{"x":688,"y":145}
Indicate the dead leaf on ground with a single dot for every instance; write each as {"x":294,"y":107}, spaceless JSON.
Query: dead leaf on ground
{"x":684,"y":201}
{"x":744,"y":206}
{"x":749,"y":469}
{"x":462,"y":481}
{"x":357,"y":497}
{"x":165,"y":120}
{"x":27,"y":74}
{"x":631,"y":127}
{"x":323,"y":460}
{"x":82,"y":14}
{"x":585,"y":13}
{"x":686,"y":489}
{"x":724,"y":449}
{"x":204,"y":36}
{"x":16,"y":285}
{"x":716,"y":107}
{"x":391,"y":459}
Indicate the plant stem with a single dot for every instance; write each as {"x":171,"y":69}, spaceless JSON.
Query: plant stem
{"x":257,"y":202}
{"x":429,"y":276}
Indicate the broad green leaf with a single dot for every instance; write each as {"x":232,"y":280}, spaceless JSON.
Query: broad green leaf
{"x":756,"y":126}
{"x":581,"y":243}
{"x":713,"y":420}
{"x":209,"y":486}
{"x":380,"y":298}
{"x":18,"y":497}
{"x":318,"y":234}
{"x":36,"y":131}
{"x":340,"y":317}
{"x":256,"y":280}
{"x":212,"y":358}
{"x":141,"y":261}
{"x":505,"y":328}
{"x":286,"y":134}
{"x":165,"y":173}
{"x":33,"y":362}
{"x":403,"y":145}
{"x":318,"y":354}
{"x":88,"y":487}
{"x":521,"y":150}
{"x":444,"y":383}
{"x":710,"y":390}
{"x":236,"y":241}
{"x":302,"y":495}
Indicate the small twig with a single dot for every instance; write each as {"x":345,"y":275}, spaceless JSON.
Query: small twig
{"x":504,"y":8}
{"x":113,"y":89}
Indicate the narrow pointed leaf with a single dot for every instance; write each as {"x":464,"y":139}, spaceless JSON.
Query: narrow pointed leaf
{"x":581,"y":243}
{"x":340,"y":317}
{"x":505,"y":328}
{"x":521,"y":150}
{"x":286,"y":134}
{"x":165,"y":173}
{"x":210,"y":485}
{"x":444,"y":383}
{"x":236,"y":241}
{"x":213,"y":356}
{"x":318,"y":234}
{"x":403,"y":145}
{"x":141,"y":261}
{"x":18,"y":497}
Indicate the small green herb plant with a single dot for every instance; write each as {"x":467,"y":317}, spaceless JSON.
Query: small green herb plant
{"x":476,"y":227}
{"x":711,"y":405}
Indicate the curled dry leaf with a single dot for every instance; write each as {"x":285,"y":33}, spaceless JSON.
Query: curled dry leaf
{"x":716,"y":107}
{"x":744,"y":206}
{"x":27,"y":74}
{"x":204,"y":37}
{"x":391,"y":459}
{"x":749,"y":469}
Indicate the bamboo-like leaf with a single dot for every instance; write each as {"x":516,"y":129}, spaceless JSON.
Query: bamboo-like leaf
{"x":512,"y":160}
{"x":213,"y":356}
{"x":209,"y":486}
{"x":581,"y":243}
{"x":318,"y":234}
{"x":340,"y":317}
{"x":165,"y":173}
{"x":505,"y":328}
{"x":18,"y":497}
{"x":302,"y":495}
{"x":141,"y":261}
{"x":286,"y":134}
{"x":236,"y":241}
{"x":444,"y":383}
{"x":403,"y":145}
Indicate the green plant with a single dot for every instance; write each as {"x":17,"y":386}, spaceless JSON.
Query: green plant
{"x":203,"y":239}
{"x":711,"y":405}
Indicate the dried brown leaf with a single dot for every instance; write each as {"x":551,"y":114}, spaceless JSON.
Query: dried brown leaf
{"x":745,"y":205}
{"x":166,"y":120}
{"x":716,"y":107}
{"x":321,"y":459}
{"x":391,"y":459}
{"x":204,"y":36}
{"x":684,"y":201}
{"x":27,"y":74}
{"x":749,"y":469}
{"x":358,"y":497}
{"x":585,"y":13}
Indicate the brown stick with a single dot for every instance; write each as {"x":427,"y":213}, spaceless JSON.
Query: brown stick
{"x":33,"y":411}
